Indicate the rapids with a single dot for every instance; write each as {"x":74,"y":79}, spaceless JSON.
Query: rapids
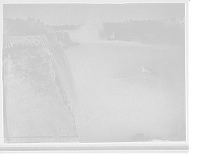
{"x":125,"y":89}
{"x":110,"y":97}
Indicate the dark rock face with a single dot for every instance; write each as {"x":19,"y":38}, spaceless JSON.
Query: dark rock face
{"x":34,"y":108}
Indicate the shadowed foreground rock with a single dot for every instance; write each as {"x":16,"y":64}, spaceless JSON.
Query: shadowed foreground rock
{"x":33,"y":106}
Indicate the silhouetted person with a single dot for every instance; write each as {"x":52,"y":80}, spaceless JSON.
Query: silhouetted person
{"x":12,"y":44}
{"x":16,"y":44}
{"x":8,"y":44}
{"x":37,"y":44}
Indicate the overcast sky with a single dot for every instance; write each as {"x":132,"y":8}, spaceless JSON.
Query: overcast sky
{"x":58,"y":14}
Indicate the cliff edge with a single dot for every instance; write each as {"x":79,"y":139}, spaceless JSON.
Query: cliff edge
{"x":34,"y":110}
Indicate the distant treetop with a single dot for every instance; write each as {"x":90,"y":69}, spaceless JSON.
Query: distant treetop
{"x":22,"y":27}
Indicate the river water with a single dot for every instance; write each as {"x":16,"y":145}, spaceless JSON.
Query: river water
{"x":125,"y":89}
{"x":118,"y":91}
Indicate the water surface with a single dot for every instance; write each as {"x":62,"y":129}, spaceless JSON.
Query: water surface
{"x":126,"y":89}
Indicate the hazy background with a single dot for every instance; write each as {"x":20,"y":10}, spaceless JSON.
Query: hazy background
{"x":56,"y":14}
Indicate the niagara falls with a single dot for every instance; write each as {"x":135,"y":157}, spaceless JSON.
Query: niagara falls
{"x":118,"y":81}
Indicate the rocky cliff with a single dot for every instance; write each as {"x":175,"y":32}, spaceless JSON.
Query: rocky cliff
{"x":33,"y":106}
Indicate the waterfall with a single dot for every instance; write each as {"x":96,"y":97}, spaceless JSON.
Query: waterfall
{"x":111,"y":99}
{"x":64,"y":76}
{"x":88,"y":33}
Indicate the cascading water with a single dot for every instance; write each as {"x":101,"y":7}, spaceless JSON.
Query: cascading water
{"x":126,"y":89}
{"x":88,"y":33}
{"x":62,"y":69}
{"x":111,"y":98}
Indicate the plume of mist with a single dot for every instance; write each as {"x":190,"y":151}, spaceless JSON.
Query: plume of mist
{"x":89,"y":32}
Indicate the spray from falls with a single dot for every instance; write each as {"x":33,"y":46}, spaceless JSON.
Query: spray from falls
{"x":89,"y":32}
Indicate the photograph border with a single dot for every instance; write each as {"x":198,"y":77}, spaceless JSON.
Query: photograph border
{"x":98,"y":147}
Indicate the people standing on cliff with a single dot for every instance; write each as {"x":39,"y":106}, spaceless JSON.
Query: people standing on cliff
{"x":41,"y":43}
{"x":12,"y":44}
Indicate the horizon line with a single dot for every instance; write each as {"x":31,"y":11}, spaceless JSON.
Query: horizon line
{"x":103,"y":22}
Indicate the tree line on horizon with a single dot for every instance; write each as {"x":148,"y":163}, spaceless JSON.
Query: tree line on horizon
{"x":167,"y":31}
{"x":28,"y":27}
{"x":174,"y":23}
{"x":33,"y":27}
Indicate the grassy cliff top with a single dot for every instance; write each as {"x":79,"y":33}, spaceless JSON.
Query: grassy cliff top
{"x":20,"y":27}
{"x":34,"y":105}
